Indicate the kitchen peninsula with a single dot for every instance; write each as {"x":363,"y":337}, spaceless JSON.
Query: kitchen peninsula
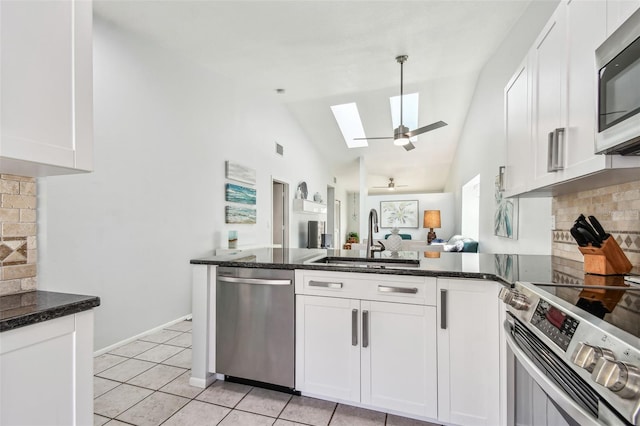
{"x":422,"y":313}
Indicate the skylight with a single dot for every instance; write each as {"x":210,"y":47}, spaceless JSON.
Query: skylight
{"x":350,"y":125}
{"x":409,"y":112}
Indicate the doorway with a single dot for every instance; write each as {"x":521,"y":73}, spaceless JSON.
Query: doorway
{"x":280,"y":213}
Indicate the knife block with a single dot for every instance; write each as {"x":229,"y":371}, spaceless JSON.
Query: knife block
{"x":606,"y":260}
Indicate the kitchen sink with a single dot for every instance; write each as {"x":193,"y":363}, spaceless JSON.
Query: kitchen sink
{"x":368,"y":263}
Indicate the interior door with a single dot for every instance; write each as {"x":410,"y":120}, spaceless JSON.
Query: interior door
{"x":280,"y":214}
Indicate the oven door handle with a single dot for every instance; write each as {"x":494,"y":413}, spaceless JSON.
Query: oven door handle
{"x":557,"y":395}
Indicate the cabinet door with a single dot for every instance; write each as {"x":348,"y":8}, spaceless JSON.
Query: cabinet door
{"x":328,"y":347}
{"x":469,"y":365}
{"x":618,"y":11}
{"x":586,"y":22}
{"x":518,"y":131}
{"x":549,"y":93}
{"x":399,"y":357}
{"x":46,"y":86}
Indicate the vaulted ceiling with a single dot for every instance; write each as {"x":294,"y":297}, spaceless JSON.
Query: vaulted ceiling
{"x":325,"y":53}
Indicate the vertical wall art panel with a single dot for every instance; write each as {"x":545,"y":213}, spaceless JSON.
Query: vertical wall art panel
{"x":505,"y":220}
{"x":240,"y":173}
{"x":240,"y":194}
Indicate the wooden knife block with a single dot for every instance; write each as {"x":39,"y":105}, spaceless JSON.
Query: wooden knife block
{"x":606,"y":260}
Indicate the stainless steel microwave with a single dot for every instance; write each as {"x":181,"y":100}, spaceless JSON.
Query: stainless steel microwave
{"x":618,"y":62}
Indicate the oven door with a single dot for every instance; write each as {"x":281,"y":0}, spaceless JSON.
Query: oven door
{"x":545,"y":391}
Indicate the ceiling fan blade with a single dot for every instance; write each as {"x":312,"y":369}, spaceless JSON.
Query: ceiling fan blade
{"x":425,"y":129}
{"x":365,"y":139}
{"x":409,"y":146}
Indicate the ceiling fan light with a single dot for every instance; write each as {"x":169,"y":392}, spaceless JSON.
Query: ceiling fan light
{"x":401,"y":140}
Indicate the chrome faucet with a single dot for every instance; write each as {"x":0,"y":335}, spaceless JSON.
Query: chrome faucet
{"x":373,"y":226}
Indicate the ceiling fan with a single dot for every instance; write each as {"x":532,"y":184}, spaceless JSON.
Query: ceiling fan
{"x":391,"y":185}
{"x":402,"y":133}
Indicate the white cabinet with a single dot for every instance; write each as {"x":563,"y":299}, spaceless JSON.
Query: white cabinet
{"x":618,"y":11}
{"x":561,"y":75}
{"x":399,"y":359}
{"x":548,"y":98}
{"x":327,"y":359}
{"x":469,"y":354}
{"x":375,"y":353}
{"x":47,"y":372}
{"x":46,"y":87}
{"x":518,"y":131}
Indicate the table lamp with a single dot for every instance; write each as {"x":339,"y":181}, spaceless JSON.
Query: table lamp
{"x":431,"y":220}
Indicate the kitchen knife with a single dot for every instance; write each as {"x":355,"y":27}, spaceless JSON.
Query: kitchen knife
{"x":591,"y":238}
{"x":582,"y":241}
{"x":598,"y":227}
{"x":582,"y":223}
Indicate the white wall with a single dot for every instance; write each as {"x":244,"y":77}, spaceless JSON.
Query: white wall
{"x":437,"y":201}
{"x":163,"y":130}
{"x":481,"y":148}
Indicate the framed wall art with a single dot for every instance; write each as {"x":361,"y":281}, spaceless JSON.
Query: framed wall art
{"x":403,"y":214}
{"x":240,"y":194}
{"x":240,"y":173}
{"x":235,"y":214}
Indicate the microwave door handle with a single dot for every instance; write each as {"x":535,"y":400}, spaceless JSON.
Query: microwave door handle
{"x":551,"y":389}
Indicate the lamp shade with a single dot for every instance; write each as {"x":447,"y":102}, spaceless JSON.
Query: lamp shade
{"x":432,"y":219}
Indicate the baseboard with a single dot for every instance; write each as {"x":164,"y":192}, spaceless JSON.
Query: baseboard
{"x":138,"y":336}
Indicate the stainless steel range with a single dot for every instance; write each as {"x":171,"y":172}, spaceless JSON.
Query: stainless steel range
{"x":580,"y":344}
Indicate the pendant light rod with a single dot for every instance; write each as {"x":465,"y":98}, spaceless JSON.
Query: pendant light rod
{"x":401,"y":59}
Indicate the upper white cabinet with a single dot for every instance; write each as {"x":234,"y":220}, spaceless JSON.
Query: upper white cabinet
{"x":46,"y":87}
{"x":518,"y":131}
{"x":548,"y":97}
{"x":618,"y":11}
{"x":556,"y":106}
{"x":469,"y":357}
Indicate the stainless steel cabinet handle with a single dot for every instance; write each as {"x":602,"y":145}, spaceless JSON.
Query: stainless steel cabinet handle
{"x":443,"y":309}
{"x":365,"y":329}
{"x":555,"y":150}
{"x":390,"y":289}
{"x":551,"y":144}
{"x":260,"y":281}
{"x":354,"y":327}
{"x":325,"y":284}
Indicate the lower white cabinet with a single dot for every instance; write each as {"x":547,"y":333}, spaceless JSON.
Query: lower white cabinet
{"x":47,"y":372}
{"x":469,"y":353}
{"x":373,"y":353}
{"x":432,"y":350}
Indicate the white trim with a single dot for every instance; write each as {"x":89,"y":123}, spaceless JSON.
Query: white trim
{"x":138,"y":336}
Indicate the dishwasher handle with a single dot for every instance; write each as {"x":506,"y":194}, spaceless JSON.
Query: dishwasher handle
{"x":258,"y":281}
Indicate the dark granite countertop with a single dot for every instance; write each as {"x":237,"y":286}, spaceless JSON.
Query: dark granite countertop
{"x":506,"y":268}
{"x":22,"y":309}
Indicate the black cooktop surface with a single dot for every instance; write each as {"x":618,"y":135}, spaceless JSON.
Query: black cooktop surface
{"x":613,"y":298}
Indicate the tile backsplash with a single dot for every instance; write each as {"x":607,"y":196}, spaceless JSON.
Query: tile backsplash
{"x":18,"y":248}
{"x":617,"y":207}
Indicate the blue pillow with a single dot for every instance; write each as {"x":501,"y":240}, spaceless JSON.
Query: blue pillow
{"x":403,"y":236}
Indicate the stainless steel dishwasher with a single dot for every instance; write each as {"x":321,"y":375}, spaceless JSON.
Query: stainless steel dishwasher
{"x":255,"y":325}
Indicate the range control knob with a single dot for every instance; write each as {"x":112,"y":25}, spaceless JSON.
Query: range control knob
{"x":618,"y":376}
{"x":514,"y":299}
{"x":586,"y":356}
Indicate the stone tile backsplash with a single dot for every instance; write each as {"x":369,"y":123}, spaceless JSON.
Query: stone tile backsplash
{"x":617,"y":207}
{"x":18,"y":249}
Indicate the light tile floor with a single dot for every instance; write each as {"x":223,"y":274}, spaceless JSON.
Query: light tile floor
{"x":146,"y":383}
